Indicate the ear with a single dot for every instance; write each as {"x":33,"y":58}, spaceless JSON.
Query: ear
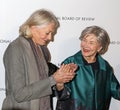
{"x":33,"y":29}
{"x":99,"y":49}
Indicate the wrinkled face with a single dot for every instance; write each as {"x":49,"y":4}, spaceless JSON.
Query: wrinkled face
{"x":42,"y":35}
{"x":90,"y":46}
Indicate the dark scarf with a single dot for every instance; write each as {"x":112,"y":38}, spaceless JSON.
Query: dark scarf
{"x":42,"y":56}
{"x":52,"y":67}
{"x":41,"y":60}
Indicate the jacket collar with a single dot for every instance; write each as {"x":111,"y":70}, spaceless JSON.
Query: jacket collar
{"x":79,"y":60}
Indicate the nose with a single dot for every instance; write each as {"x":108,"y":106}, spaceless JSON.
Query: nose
{"x":50,"y":37}
{"x":85,"y":43}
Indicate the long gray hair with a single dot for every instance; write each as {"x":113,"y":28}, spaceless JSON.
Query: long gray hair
{"x":38,"y":18}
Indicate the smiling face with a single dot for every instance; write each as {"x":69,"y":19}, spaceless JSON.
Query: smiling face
{"x":42,"y":35}
{"x":89,"y":47}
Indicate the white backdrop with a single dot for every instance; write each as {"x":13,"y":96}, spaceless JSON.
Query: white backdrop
{"x":74,"y":16}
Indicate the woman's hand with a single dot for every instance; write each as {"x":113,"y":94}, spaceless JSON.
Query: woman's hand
{"x":66,"y":73}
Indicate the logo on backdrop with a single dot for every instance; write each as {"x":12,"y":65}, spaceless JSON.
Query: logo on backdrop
{"x":4,"y":41}
{"x":115,"y":42}
{"x":77,"y":18}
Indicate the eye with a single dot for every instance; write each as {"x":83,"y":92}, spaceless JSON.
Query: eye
{"x":91,"y":42}
{"x":83,"y":40}
{"x":47,"y":33}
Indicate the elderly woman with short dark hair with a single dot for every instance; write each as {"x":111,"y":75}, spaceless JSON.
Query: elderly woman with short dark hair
{"x":95,"y":83}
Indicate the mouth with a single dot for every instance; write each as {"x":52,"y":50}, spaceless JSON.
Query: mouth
{"x":46,"y":42}
{"x":85,"y":50}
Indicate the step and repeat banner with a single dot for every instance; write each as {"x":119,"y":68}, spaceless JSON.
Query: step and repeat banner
{"x":74,"y":16}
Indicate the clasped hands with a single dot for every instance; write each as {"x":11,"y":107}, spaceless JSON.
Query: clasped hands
{"x":64,"y":74}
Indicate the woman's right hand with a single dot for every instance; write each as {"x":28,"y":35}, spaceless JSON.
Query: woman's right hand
{"x":66,"y":73}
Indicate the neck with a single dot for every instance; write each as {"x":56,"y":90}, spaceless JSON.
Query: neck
{"x":34,"y":42}
{"x":90,"y":59}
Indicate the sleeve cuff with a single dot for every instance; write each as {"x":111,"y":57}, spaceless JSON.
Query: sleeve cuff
{"x":52,"y":81}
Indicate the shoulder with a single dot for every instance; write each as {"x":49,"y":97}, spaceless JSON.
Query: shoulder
{"x":104,"y":64}
{"x":18,"y":43}
{"x":74,"y":58}
{"x":16,"y":46}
